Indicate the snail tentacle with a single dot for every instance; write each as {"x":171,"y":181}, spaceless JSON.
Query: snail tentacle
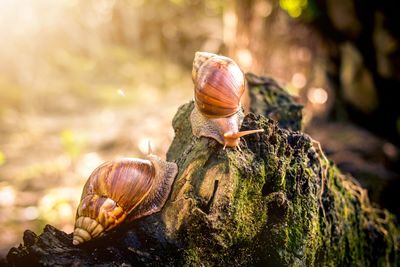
{"x":214,"y":127}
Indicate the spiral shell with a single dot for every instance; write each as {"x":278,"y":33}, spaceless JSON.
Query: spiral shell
{"x":219,"y":85}
{"x":124,"y":189}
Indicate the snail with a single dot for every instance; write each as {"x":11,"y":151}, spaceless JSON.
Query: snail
{"x":218,"y":87}
{"x":122,"y":190}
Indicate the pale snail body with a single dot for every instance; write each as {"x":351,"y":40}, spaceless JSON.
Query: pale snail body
{"x":122,"y":190}
{"x":219,"y":86}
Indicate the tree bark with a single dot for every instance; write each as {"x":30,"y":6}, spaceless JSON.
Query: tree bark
{"x":267,"y":98}
{"x":277,"y":201}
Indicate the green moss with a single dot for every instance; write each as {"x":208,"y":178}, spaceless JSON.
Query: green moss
{"x":249,"y":215}
{"x":267,"y":207}
{"x":271,"y":100}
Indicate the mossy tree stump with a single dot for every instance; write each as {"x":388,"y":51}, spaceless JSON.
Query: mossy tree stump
{"x":275,"y":202}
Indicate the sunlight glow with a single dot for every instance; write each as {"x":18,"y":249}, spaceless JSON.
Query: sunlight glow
{"x":299,"y":80}
{"x":65,"y":211}
{"x":30,"y":213}
{"x":263,"y":8}
{"x":230,"y":22}
{"x":7,"y":196}
{"x":121,"y":92}
{"x":56,"y":205}
{"x":87,"y":164}
{"x":317,"y":96}
{"x":245,"y":58}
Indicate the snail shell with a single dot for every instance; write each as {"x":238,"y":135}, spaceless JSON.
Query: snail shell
{"x":122,"y":190}
{"x":218,"y":87}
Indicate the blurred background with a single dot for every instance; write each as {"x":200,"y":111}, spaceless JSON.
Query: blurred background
{"x":82,"y":82}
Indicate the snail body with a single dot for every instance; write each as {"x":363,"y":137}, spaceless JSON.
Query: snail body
{"x":219,"y":85}
{"x":122,"y":190}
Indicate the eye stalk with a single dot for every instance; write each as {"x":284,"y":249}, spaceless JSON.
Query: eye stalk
{"x":232,"y":139}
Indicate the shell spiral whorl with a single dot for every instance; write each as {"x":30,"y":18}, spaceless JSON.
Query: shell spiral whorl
{"x":218,"y":87}
{"x":122,"y":189}
{"x":96,"y":215}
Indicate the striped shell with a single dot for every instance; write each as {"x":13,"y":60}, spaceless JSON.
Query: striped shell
{"x":219,"y":85}
{"x":126,"y":188}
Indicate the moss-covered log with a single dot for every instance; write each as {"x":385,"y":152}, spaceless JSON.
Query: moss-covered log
{"x":268,"y":98}
{"x":275,"y":202}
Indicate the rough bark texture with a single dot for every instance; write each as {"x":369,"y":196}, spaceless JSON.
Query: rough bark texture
{"x":269,"y":99}
{"x":276,"y":202}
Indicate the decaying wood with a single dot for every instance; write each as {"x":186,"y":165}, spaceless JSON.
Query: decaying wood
{"x":276,"y":201}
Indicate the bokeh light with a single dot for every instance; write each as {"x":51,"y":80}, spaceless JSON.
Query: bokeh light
{"x":245,"y":59}
{"x":7,"y":196}
{"x":293,"y":7}
{"x":317,"y":96}
{"x":299,"y":80}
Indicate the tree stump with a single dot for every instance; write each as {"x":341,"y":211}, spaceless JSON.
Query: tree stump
{"x":277,"y":201}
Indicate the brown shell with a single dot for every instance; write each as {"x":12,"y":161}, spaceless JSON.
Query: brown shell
{"x":199,"y":59}
{"x":219,"y":85}
{"x":126,"y":181}
{"x":112,"y":191}
{"x":127,"y":188}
